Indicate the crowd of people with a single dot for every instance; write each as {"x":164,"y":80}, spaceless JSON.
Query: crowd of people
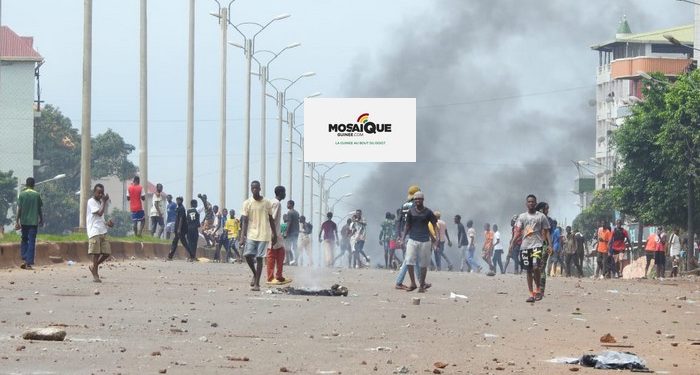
{"x":413,"y":238}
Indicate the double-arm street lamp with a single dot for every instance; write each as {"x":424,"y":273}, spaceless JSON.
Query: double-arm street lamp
{"x":249,"y":50}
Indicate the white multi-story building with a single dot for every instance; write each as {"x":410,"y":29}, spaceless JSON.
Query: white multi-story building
{"x":18,"y":64}
{"x":622,"y":62}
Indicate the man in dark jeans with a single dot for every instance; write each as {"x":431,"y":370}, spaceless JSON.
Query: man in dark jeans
{"x":193,"y":225}
{"x":180,"y":228}
{"x":29,"y":217}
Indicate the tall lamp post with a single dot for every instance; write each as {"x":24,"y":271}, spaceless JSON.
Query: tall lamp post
{"x":327,"y":191}
{"x":338,"y":200}
{"x":281,"y":93}
{"x":291,"y":118}
{"x":301,"y":148}
{"x":85,"y":142}
{"x":249,"y":50}
{"x":264,"y":75}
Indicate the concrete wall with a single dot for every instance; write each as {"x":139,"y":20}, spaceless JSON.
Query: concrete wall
{"x":17,"y":118}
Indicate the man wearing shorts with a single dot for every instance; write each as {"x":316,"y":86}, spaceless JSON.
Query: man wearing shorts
{"x":98,"y":244}
{"x":257,"y":229}
{"x":619,"y":242}
{"x":533,"y":227}
{"x":650,"y":249}
{"x":419,"y":245}
{"x":135,"y":196}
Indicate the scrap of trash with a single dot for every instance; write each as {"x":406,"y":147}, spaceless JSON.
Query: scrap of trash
{"x":334,"y":291}
{"x":608,"y":360}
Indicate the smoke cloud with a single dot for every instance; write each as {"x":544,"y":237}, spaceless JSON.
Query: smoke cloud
{"x":503,"y":91}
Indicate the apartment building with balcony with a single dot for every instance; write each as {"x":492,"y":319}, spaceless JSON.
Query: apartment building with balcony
{"x":621,"y":63}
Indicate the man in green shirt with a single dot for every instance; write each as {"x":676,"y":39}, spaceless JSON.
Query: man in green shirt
{"x":29,"y":217}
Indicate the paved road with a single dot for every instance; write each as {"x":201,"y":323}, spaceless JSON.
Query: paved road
{"x":201,"y":317}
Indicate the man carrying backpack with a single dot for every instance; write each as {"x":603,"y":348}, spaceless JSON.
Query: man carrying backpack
{"x":619,"y":242}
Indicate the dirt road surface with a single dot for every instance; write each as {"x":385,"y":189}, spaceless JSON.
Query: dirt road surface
{"x":150,"y":317}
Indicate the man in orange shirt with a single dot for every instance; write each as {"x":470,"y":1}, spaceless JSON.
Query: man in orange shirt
{"x":135,"y":195}
{"x":650,"y":249}
{"x":604,"y":236}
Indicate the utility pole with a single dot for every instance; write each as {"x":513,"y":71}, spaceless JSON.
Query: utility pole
{"x":190,"y":107}
{"x":85,"y":136}
{"x":223,"y":21}
{"x":246,"y":122}
{"x":290,"y":122}
{"x":280,"y":105}
{"x":143,"y":93}
{"x":263,"y":128}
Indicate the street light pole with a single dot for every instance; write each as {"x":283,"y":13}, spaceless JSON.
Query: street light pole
{"x":85,"y":141}
{"x":223,"y":22}
{"x":189,"y":175}
{"x":143,"y":93}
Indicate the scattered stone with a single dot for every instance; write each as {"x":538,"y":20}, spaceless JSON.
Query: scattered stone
{"x":500,"y":368}
{"x":45,"y":334}
{"x":176,"y":330}
{"x":440,"y":364}
{"x":163,"y":371}
{"x":608,"y":338}
{"x":214,"y":325}
{"x":403,"y":316}
{"x":437,"y":371}
{"x":20,"y":348}
{"x":669,"y":336}
{"x":203,"y":339}
{"x":153,"y":354}
{"x":12,"y":282}
{"x":283,"y":369}
{"x":363,"y":362}
{"x":573,"y":369}
{"x":96,"y":292}
{"x":183,"y":321}
{"x":658,"y":331}
{"x":401,"y":370}
{"x":28,"y":313}
{"x":242,"y":359}
{"x":674,"y":344}
{"x":122,"y":349}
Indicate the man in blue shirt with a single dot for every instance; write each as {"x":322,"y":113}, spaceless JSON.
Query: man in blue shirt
{"x":171,"y":209}
{"x":556,"y":257}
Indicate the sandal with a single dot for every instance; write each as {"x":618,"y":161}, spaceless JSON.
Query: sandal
{"x":411,"y":288}
{"x":400,"y":287}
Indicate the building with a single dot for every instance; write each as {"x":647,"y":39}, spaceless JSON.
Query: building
{"x":621,"y":64}
{"x":19,"y":64}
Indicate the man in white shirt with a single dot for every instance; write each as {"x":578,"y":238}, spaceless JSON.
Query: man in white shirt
{"x":497,"y":250}
{"x":157,"y":211}
{"x":98,"y":244}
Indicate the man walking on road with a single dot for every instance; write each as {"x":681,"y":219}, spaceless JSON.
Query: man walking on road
{"x":420,"y":240}
{"x":29,"y":218}
{"x":180,"y":228}
{"x":328,"y":236}
{"x":533,"y":227}
{"x":292,"y":233}
{"x":98,"y":244}
{"x":157,"y":212}
{"x":257,"y":229}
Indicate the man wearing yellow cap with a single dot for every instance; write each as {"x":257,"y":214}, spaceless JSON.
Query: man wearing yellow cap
{"x":400,"y":224}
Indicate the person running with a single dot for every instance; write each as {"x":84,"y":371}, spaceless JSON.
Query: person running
{"x":619,"y":242}
{"x":386,"y":234}
{"x":327,"y":236}
{"x":304,"y":244}
{"x":157,"y":212}
{"x":544,"y":208}
{"x":29,"y":218}
{"x":420,"y":241}
{"x":462,"y":243}
{"x":231,"y":229}
{"x":580,"y":251}
{"x":257,"y":229}
{"x":514,"y":250}
{"x":171,"y":211}
{"x":193,"y":225}
{"x":603,"y":259}
{"x":345,"y":233}
{"x":292,"y":233}
{"x":442,"y":235}
{"x":135,"y":191}
{"x":487,"y":248}
{"x":497,"y":250}
{"x":96,"y":226}
{"x":359,"y":233}
{"x":180,"y":228}
{"x":660,"y":255}
{"x":532,"y":227}
{"x":276,"y":252}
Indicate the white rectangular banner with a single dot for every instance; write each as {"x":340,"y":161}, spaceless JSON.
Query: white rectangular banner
{"x":360,"y":130}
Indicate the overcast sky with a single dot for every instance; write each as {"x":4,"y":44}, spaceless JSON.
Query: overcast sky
{"x":346,"y":43}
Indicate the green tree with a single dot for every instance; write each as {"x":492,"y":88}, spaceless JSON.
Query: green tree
{"x":600,"y":209}
{"x":8,"y":195}
{"x":122,"y":223}
{"x":57,"y":147}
